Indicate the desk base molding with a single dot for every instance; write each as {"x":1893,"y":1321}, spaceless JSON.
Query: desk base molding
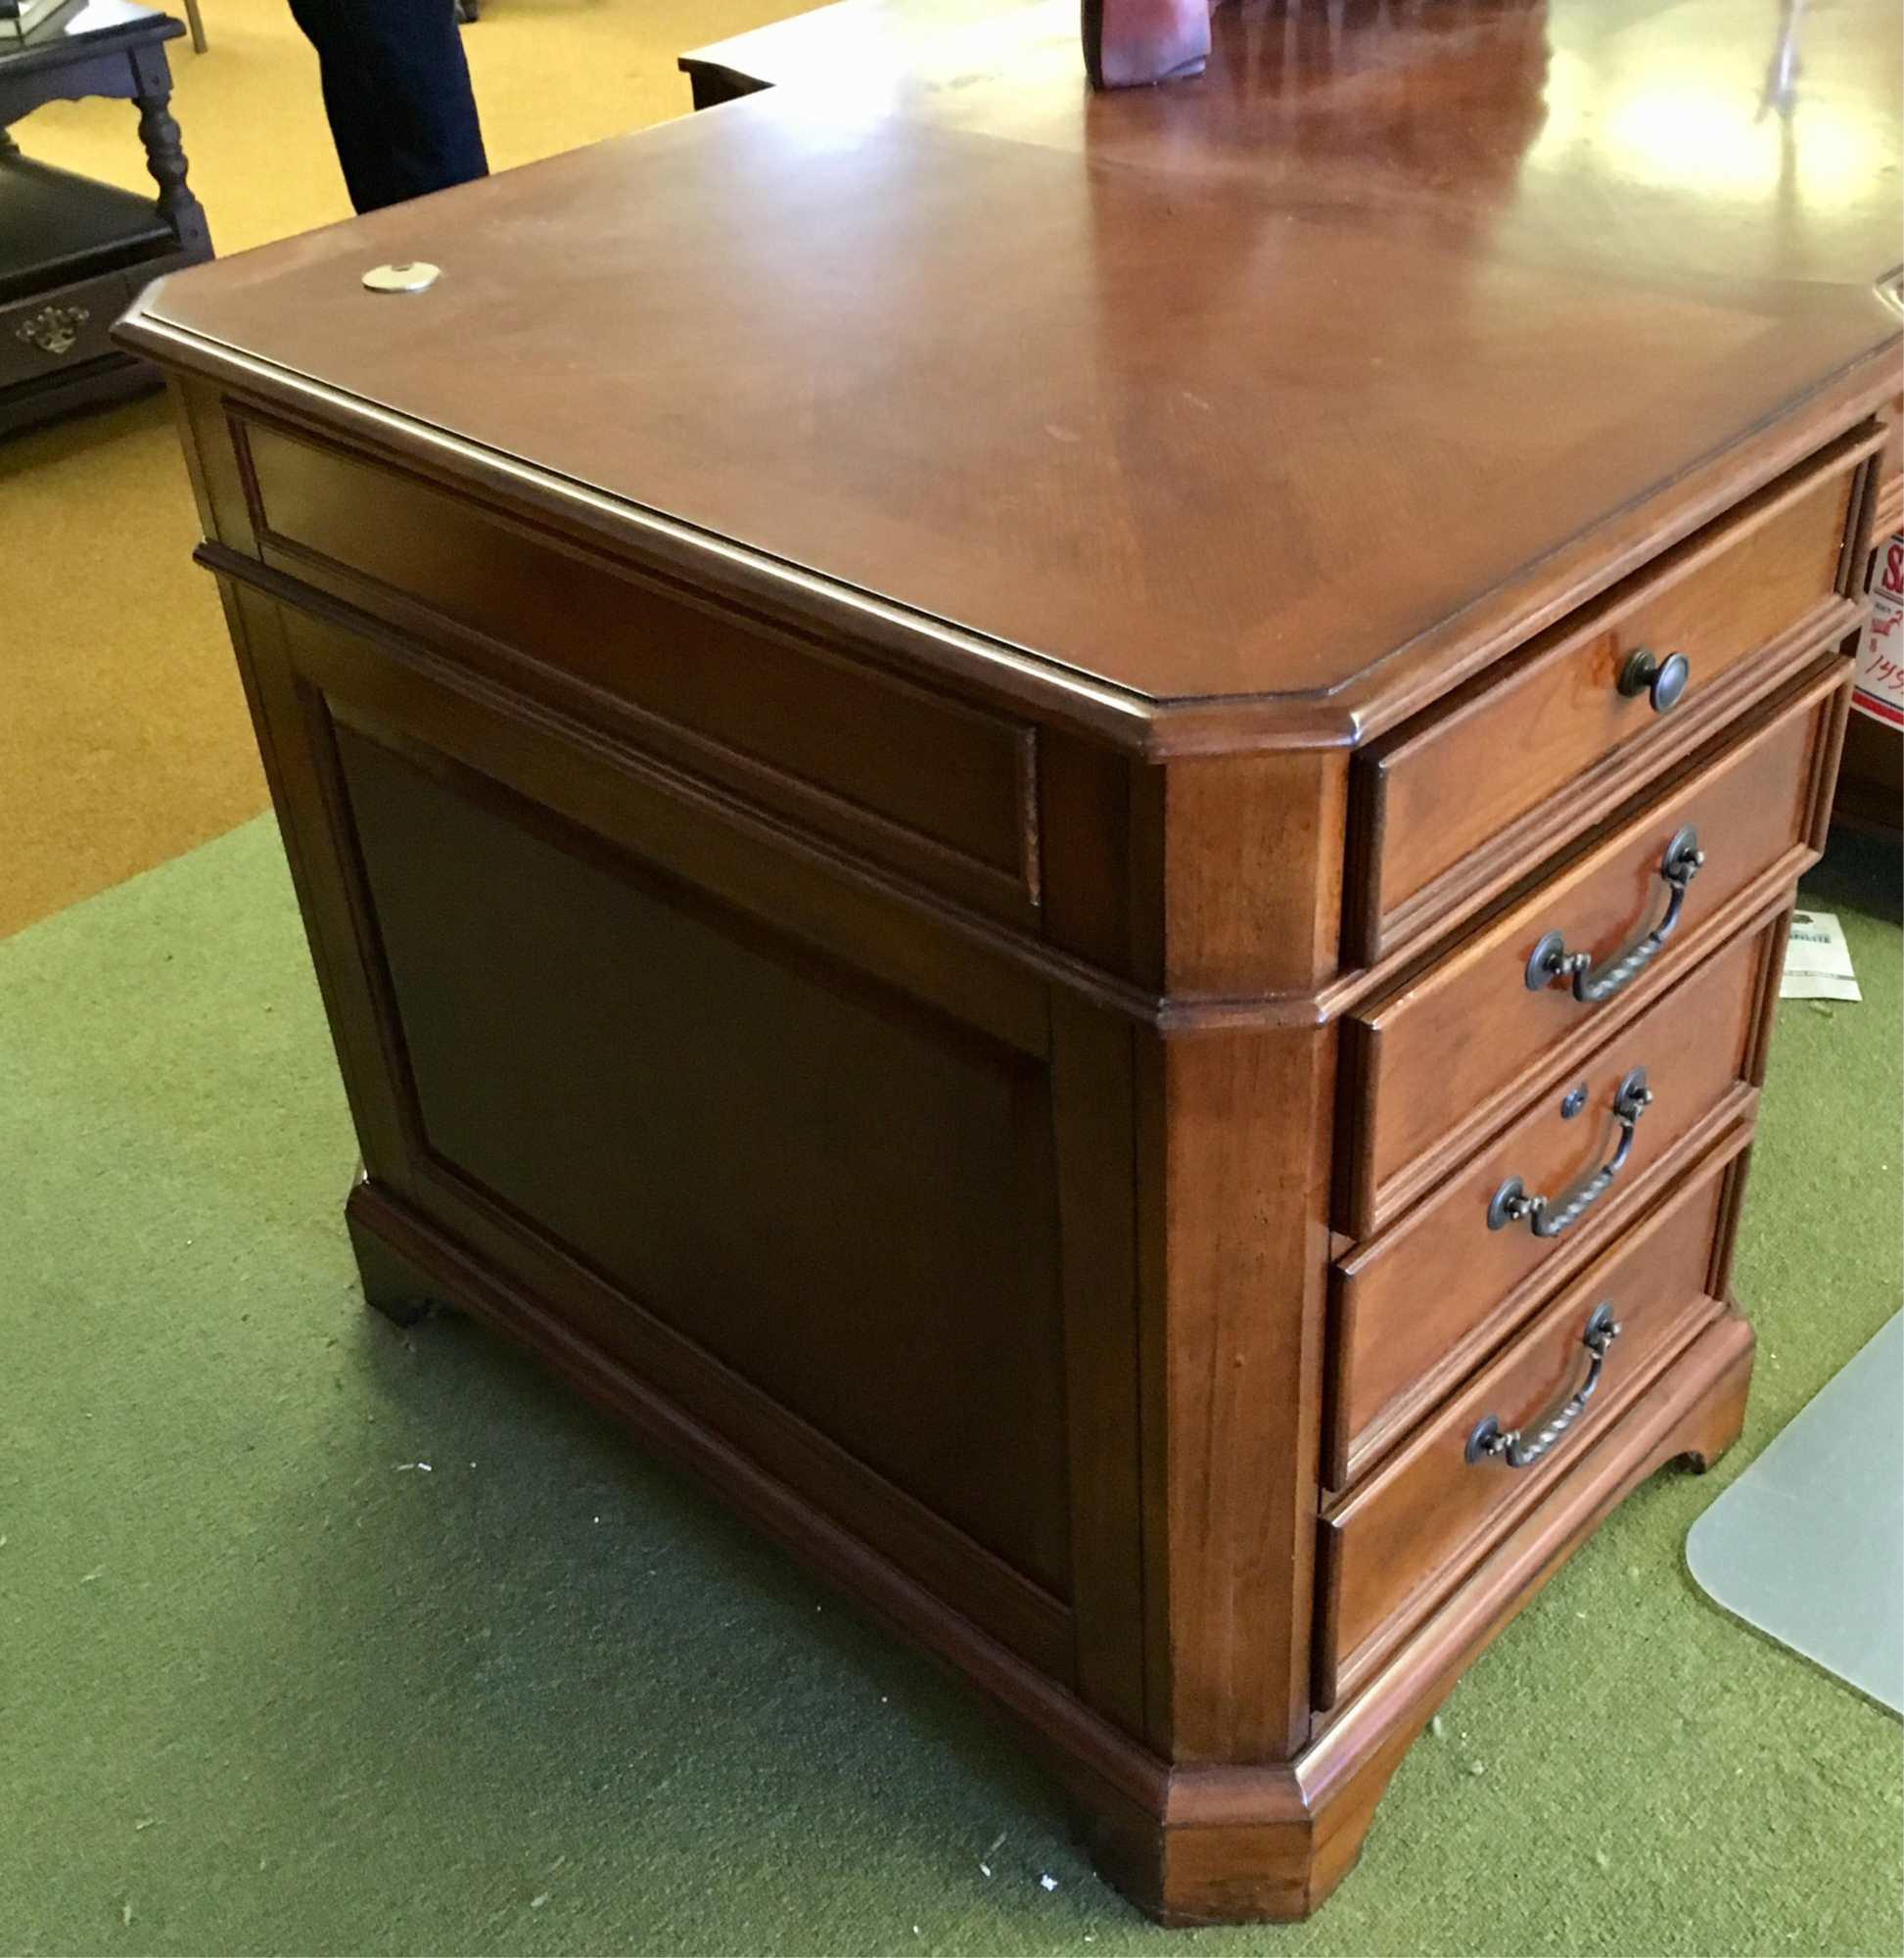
{"x":1189,"y":1845}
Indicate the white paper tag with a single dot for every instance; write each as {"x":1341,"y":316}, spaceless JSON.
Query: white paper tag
{"x":1817,"y":959}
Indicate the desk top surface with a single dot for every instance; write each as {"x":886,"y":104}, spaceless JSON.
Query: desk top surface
{"x":1229,"y":389}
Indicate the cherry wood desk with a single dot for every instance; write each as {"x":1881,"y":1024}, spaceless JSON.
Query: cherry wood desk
{"x":1058,"y":829}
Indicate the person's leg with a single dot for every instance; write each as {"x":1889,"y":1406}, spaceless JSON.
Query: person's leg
{"x":396,"y":90}
{"x":349,"y":97}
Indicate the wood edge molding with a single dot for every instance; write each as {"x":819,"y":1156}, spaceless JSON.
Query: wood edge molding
{"x":759,"y":821}
{"x":1176,"y":1014}
{"x":1858,"y":528}
{"x":1765,"y":1008}
{"x":650,"y":540}
{"x":777,"y":790}
{"x":1173,"y":1015}
{"x":1394,"y":686}
{"x":1161,"y":1012}
{"x":1831,"y":752}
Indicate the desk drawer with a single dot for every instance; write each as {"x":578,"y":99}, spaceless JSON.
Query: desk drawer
{"x":52,"y":332}
{"x":1437,"y":1061}
{"x":1408,"y":1532}
{"x":1540,"y":737}
{"x":1415,"y":1308}
{"x":933,"y":786}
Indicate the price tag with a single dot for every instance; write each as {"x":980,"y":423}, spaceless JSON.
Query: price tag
{"x":1879,"y":683}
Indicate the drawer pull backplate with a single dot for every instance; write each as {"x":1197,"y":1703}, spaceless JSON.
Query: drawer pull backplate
{"x":53,"y":329}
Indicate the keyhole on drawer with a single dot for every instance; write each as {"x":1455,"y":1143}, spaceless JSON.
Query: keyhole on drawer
{"x":1575,"y":1101}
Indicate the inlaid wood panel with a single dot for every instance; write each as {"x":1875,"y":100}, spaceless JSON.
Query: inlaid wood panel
{"x":846,"y":1200}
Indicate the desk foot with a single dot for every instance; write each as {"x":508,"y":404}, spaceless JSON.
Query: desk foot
{"x":1235,"y":1845}
{"x":391,"y":1283}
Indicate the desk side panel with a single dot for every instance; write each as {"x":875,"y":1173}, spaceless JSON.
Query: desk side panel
{"x":854,"y":1193}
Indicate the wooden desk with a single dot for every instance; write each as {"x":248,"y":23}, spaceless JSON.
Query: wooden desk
{"x":1001,"y":809}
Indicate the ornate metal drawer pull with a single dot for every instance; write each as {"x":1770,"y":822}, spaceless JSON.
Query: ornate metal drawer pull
{"x":1550,"y":960}
{"x":1491,"y":1443}
{"x":1510,"y":1204}
{"x":54,"y":330}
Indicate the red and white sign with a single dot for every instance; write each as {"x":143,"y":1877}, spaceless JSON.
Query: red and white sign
{"x":1881,"y":658}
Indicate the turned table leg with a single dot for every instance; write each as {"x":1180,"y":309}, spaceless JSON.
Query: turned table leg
{"x":164,"y":155}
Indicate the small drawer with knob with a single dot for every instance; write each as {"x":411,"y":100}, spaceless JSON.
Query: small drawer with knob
{"x":1413,"y":1309}
{"x":1448,"y":806}
{"x":1502,"y":1442}
{"x":1441,"y":1059}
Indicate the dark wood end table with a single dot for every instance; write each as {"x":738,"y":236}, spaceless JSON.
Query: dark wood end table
{"x":75,"y":252}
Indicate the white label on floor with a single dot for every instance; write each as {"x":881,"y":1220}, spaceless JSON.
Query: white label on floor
{"x":1817,"y":959}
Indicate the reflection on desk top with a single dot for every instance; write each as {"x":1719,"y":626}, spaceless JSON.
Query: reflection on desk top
{"x":1267,"y":384}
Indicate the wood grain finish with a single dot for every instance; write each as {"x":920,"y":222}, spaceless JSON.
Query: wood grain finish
{"x":1554,"y":728}
{"x":1413,"y":1526}
{"x":1232,"y":1187}
{"x":937,"y":1332}
{"x":1412,"y":1309}
{"x":1437,"y":1056}
{"x":922,"y":751}
{"x":926,"y":781}
{"x":891,"y":394}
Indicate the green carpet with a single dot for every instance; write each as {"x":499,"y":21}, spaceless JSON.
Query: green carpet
{"x":269,"y":1685}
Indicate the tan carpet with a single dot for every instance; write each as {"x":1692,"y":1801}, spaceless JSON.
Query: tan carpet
{"x":123,"y":734}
